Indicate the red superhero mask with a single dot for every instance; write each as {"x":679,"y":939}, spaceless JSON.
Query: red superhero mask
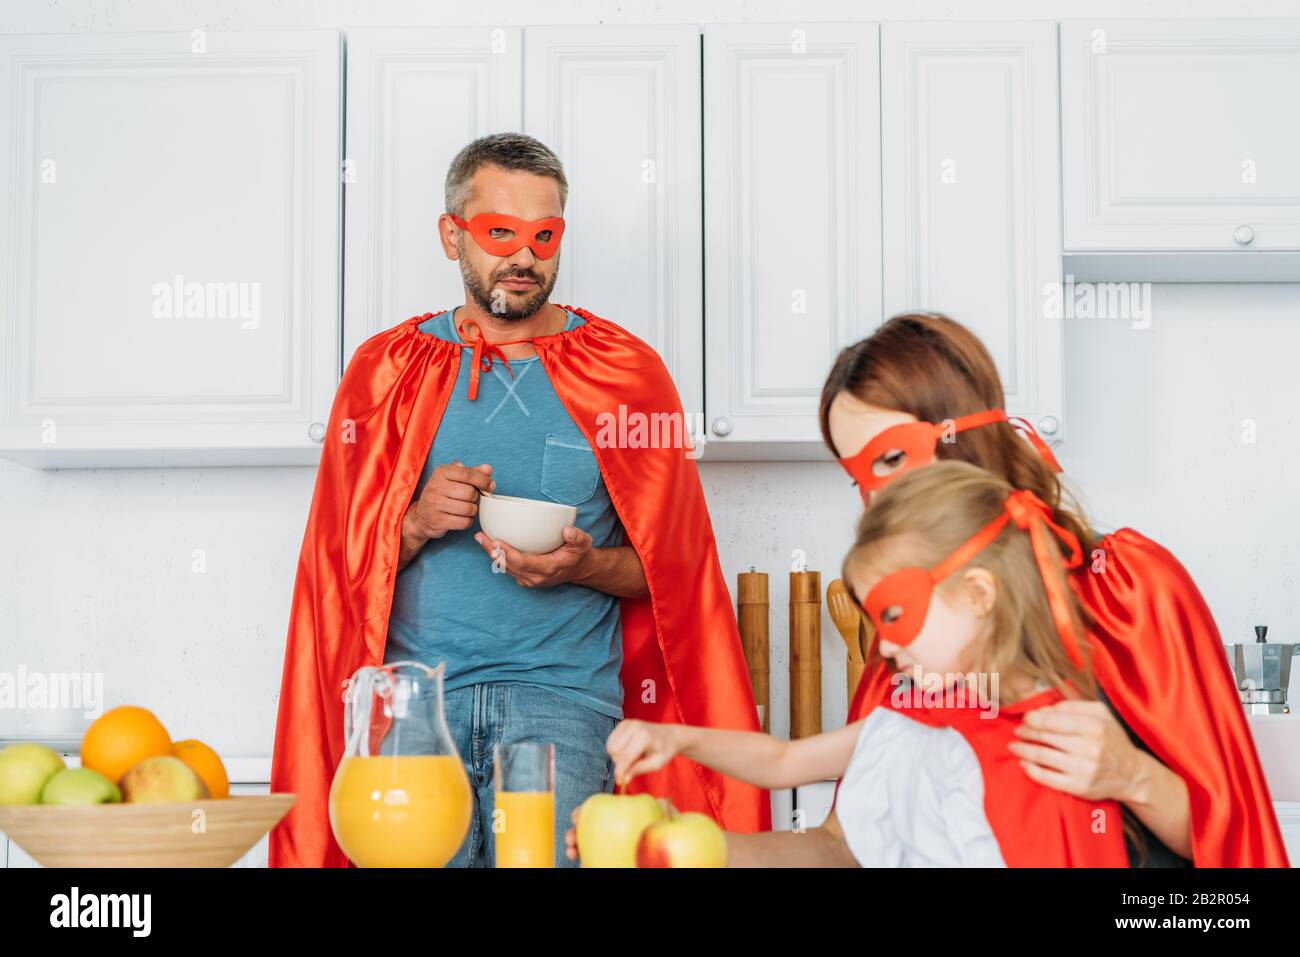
{"x":542,"y":236}
{"x":917,"y":441}
{"x":899,"y":602}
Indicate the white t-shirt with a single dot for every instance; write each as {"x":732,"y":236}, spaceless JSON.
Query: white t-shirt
{"x":913,"y":796}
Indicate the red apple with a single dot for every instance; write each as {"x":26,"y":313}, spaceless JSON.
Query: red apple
{"x":683,"y":840}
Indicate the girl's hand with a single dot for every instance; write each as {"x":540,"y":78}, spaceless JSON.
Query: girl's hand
{"x":1079,"y":748}
{"x":639,"y":747}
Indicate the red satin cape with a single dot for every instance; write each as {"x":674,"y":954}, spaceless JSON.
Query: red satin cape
{"x":1035,"y":826}
{"x":682,"y":658}
{"x":1157,"y":654}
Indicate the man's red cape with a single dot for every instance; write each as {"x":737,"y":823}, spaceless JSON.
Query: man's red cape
{"x":1157,"y":654}
{"x":1035,"y":826}
{"x":682,"y":659}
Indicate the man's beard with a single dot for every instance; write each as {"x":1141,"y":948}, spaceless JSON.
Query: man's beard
{"x":501,"y":304}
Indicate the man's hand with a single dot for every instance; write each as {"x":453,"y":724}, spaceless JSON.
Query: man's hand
{"x":568,"y":563}
{"x":448,"y":503}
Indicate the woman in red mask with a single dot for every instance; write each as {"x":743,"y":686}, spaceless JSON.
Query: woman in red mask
{"x":1169,"y":721}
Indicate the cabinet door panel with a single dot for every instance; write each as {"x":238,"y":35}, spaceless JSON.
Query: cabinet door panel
{"x":1176,"y":133}
{"x":792,"y":212}
{"x":415,"y":97}
{"x":171,"y":280}
{"x":972,"y":194}
{"x":621,"y":108}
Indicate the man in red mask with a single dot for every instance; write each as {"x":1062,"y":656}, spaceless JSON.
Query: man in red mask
{"x":508,"y":394}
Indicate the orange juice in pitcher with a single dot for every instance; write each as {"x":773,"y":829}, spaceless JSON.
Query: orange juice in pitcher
{"x":400,"y":796}
{"x":400,"y":810}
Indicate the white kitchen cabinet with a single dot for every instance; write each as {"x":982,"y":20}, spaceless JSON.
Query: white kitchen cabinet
{"x":620,"y":105}
{"x":170,"y":270}
{"x":791,"y":223}
{"x":415,"y":97}
{"x":971,"y":209}
{"x":1181,"y":149}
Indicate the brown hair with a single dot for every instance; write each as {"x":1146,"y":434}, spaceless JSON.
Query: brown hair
{"x":926,"y":514}
{"x":934,"y":368}
{"x":516,"y":152}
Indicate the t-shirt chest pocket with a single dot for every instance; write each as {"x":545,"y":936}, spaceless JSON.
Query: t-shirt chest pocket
{"x":569,"y":470}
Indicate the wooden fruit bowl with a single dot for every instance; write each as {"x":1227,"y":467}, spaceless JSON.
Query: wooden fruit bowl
{"x":143,"y":835}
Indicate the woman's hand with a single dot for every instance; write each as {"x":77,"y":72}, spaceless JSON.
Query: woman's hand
{"x":1078,"y":747}
{"x":639,"y":747}
{"x":571,"y":836}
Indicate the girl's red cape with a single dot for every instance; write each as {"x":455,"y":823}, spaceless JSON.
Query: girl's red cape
{"x":1157,"y":655}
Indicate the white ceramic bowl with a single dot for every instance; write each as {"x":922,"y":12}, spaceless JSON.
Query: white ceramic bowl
{"x":529,"y":524}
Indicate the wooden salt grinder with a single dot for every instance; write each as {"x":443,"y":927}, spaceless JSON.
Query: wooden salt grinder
{"x":805,"y":654}
{"x":751,"y":612}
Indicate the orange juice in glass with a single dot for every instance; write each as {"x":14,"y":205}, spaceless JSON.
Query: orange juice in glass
{"x":400,"y":796}
{"x":523,"y":821}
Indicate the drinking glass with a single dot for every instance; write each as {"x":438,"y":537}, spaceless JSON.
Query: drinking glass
{"x":523,"y":820}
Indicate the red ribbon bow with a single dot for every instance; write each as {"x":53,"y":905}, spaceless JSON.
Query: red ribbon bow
{"x":483,"y":354}
{"x":1031,"y":514}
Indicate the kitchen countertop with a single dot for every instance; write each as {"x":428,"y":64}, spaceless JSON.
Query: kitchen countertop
{"x":1277,"y":739}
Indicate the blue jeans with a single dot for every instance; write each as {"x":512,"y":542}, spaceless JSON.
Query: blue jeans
{"x":481,"y":716}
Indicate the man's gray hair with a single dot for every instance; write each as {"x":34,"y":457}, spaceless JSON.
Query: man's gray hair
{"x":510,"y":151}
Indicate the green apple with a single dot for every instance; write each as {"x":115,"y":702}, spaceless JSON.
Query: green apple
{"x":24,"y":769}
{"x":683,"y":840}
{"x":80,"y":786}
{"x":609,"y":826}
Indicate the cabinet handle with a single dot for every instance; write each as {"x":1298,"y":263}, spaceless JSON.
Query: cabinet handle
{"x":316,"y":431}
{"x":721,"y":425}
{"x":1243,"y":235}
{"x":1048,"y":424}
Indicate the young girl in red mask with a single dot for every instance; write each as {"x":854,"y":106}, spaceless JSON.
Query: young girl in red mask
{"x":1167,"y":721}
{"x":963,"y":576}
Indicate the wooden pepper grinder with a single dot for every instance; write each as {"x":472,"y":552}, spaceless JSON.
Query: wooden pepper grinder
{"x":805,"y":654}
{"x":751,"y":612}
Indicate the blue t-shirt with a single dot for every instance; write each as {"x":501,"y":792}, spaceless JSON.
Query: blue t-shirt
{"x":449,"y":605}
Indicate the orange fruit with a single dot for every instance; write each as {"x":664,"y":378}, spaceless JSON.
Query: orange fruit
{"x":204,"y":762}
{"x":121,"y":738}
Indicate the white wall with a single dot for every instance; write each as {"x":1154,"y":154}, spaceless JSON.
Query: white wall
{"x":96,"y":567}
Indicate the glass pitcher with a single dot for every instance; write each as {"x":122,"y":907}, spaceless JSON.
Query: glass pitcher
{"x":400,"y":797}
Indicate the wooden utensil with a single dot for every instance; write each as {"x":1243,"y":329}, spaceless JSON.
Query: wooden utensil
{"x":143,"y":835}
{"x":751,"y":613}
{"x":805,"y":654}
{"x":848,"y":622}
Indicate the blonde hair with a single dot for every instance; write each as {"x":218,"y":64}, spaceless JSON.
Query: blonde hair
{"x":923,"y":516}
